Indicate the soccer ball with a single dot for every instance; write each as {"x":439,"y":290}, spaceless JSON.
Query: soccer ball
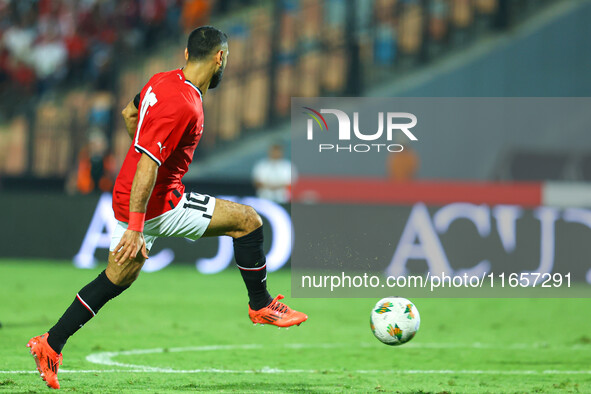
{"x":395,"y":320}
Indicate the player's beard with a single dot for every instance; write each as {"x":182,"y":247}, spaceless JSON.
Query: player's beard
{"x":216,"y":78}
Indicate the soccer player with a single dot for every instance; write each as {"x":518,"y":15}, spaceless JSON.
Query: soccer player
{"x":165,"y":122}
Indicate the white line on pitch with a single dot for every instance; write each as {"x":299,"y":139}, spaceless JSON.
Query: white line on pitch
{"x":106,"y":358}
{"x":311,"y":371}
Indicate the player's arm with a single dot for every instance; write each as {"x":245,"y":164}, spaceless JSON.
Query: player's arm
{"x":132,"y":240}
{"x":130,"y":115}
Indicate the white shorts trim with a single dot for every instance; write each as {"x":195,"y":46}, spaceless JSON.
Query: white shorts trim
{"x":189,"y":219}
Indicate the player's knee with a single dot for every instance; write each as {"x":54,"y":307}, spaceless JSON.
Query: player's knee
{"x":249,"y":222}
{"x":127,"y":278}
{"x":124,"y":275}
{"x":253,"y":221}
{"x":120,"y":278}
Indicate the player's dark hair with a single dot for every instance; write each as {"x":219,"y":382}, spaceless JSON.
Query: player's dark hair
{"x":204,"y":40}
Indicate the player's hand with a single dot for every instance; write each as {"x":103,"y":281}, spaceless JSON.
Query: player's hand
{"x":131,"y":243}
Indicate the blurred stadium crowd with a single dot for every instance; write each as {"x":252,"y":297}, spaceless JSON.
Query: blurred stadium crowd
{"x":46,"y":42}
{"x":68,"y":66}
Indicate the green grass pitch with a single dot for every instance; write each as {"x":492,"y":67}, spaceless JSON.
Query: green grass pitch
{"x":178,"y":330}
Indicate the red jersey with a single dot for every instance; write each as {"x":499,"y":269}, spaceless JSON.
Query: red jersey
{"x":170,"y":123}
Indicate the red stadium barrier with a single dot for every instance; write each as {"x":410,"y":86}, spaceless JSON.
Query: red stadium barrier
{"x":380,"y":191}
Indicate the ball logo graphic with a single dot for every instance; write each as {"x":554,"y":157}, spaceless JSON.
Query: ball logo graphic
{"x":408,"y":310}
{"x":384,"y":308}
{"x":395,"y":331}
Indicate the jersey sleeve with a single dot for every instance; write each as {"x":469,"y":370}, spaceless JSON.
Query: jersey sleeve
{"x":161,"y":125}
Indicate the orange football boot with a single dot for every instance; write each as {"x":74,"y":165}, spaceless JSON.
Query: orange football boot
{"x":278,"y":314}
{"x":47,"y":360}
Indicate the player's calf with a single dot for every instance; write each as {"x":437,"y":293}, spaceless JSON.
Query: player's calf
{"x":89,"y":300}
{"x":244,"y":224}
{"x":251,"y":260}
